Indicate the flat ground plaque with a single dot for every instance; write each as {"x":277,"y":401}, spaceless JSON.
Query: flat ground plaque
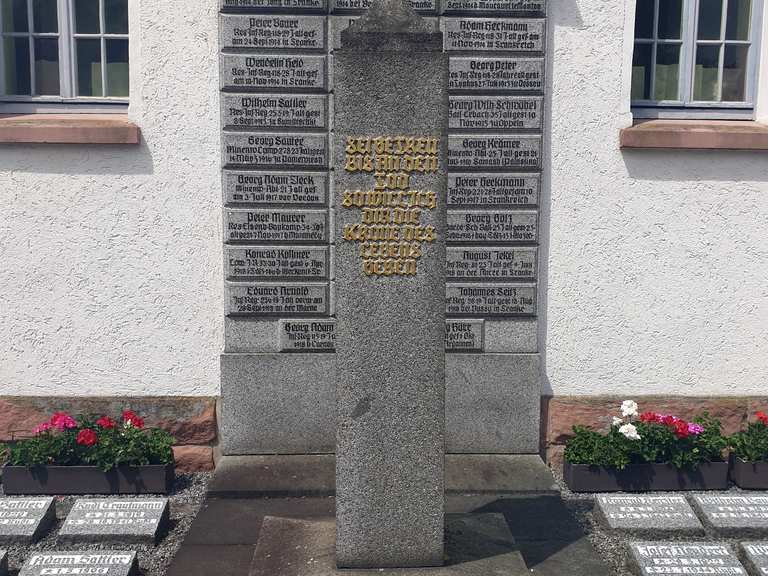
{"x":653,"y":558}
{"x":25,"y":520}
{"x":124,"y":520}
{"x":755,"y":557}
{"x":104,"y":562}
{"x":648,"y":514}
{"x":734,"y":515}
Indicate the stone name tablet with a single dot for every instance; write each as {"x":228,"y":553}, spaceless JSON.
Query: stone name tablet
{"x":495,"y":112}
{"x":116,"y":520}
{"x":493,"y":34}
{"x":504,"y":7}
{"x":491,"y":263}
{"x":490,"y":300}
{"x":272,"y":262}
{"x":264,"y":299}
{"x":755,"y":556}
{"x":734,"y":515}
{"x":514,"y":151}
{"x":307,"y":335}
{"x":649,"y":515}
{"x":492,"y":226}
{"x":261,"y":32}
{"x":688,"y":558}
{"x":293,"y":5}
{"x":301,"y":150}
{"x":427,"y":6}
{"x":464,"y":335}
{"x":493,"y":190}
{"x":272,"y":71}
{"x":502,"y":74}
{"x":274,"y":111}
{"x":25,"y":520}
{"x":241,"y":225}
{"x":246,"y":187}
{"x":103,"y":562}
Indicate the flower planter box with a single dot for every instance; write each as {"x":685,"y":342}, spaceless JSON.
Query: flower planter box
{"x":645,"y":477}
{"x":749,"y":475}
{"x":60,"y":480}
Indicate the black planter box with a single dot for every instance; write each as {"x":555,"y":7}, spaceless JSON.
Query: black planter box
{"x":750,"y":475}
{"x":645,"y":478}
{"x":60,"y":480}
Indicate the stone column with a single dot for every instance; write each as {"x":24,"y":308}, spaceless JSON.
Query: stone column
{"x":390,"y":142}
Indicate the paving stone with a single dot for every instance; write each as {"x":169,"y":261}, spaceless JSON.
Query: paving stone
{"x":104,"y":562}
{"x":754,"y":555}
{"x":649,"y":515}
{"x":116,"y":520}
{"x":743,"y":516}
{"x":197,"y":560}
{"x":25,"y":520}
{"x":651,"y":558}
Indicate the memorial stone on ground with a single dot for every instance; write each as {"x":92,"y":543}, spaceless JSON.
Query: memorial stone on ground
{"x":755,"y":557}
{"x":648,"y":515}
{"x":744,"y":515}
{"x":690,"y":558}
{"x":103,"y":562}
{"x":124,"y":520}
{"x":25,"y":520}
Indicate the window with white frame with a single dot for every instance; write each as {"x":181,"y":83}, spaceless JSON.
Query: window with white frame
{"x":695,"y":58}
{"x":63,"y":52}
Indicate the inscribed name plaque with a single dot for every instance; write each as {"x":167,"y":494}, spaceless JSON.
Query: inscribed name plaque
{"x":25,"y":520}
{"x":690,"y":558}
{"x":491,"y":263}
{"x":492,"y":226}
{"x":272,"y":262}
{"x":304,"y":150}
{"x":735,"y":515}
{"x":307,"y":335}
{"x":502,"y":74}
{"x":274,"y":111}
{"x":649,"y":515}
{"x":490,"y":300}
{"x":495,"y":112}
{"x":241,"y":225}
{"x":505,"y":7}
{"x":513,"y":151}
{"x":254,"y":299}
{"x":272,"y":71}
{"x":116,"y":520}
{"x":755,"y":556}
{"x":493,"y":190}
{"x":464,"y":335}
{"x":103,"y":562}
{"x":246,"y":187}
{"x":272,"y":32}
{"x":294,"y":5}
{"x":493,"y":34}
{"x":427,"y":6}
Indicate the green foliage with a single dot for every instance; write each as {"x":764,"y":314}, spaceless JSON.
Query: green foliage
{"x":751,"y":445}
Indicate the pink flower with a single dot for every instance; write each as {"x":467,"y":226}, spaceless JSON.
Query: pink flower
{"x":695,"y":429}
{"x":44,"y":427}
{"x":63,"y":421}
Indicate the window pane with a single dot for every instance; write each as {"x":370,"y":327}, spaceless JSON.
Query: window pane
{"x":15,"y":16}
{"x":87,"y":17}
{"x":705,"y":86}
{"x":737,"y":23}
{"x":45,"y":17}
{"x":644,"y":19}
{"x":670,"y":18}
{"x":641,"y":72}
{"x":667,"y":72}
{"x":710,"y":17}
{"x":16,"y":66}
{"x":734,"y":73}
{"x":117,"y":67}
{"x":116,"y":16}
{"x":89,"y":67}
{"x":47,"y":66}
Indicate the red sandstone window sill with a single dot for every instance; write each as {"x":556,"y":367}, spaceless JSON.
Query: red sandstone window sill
{"x":68,"y":129}
{"x":696,"y":135}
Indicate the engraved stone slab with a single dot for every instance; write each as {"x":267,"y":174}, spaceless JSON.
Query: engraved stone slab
{"x":274,"y":110}
{"x":276,"y":262}
{"x":492,"y":226}
{"x":265,"y":32}
{"x":652,"y":558}
{"x":273,"y":150}
{"x":504,"y":7}
{"x":491,"y":263}
{"x":3,"y":563}
{"x":262,"y":299}
{"x":336,"y":24}
{"x":495,"y":112}
{"x":493,"y":34}
{"x":307,"y":335}
{"x":270,"y":71}
{"x":464,"y":335}
{"x":247,"y":187}
{"x":264,"y":226}
{"x":103,"y":562}
{"x":493,"y":189}
{"x":755,"y":557}
{"x":427,"y":6}
{"x":137,"y":520}
{"x":25,"y":520}
{"x":513,"y":151}
{"x":650,"y":515}
{"x":734,"y":515}
{"x":490,"y":300}
{"x":293,"y":5}
{"x":503,"y":74}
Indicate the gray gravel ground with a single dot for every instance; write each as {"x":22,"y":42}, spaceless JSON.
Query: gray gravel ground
{"x":185,"y":500}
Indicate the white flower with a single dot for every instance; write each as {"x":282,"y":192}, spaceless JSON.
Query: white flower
{"x":617,"y":421}
{"x":630,"y":431}
{"x":629,"y":408}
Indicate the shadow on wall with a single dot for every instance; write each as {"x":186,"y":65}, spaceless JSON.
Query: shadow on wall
{"x":696,"y":165}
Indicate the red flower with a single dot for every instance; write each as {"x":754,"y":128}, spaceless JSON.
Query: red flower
{"x":681,"y":429}
{"x":670,"y":420}
{"x":86,"y":437}
{"x":763,"y":417}
{"x":105,"y":422}
{"x":650,"y":417}
{"x":62,"y":421}
{"x":130,"y":417}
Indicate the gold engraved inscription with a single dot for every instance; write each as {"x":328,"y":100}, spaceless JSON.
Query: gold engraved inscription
{"x":390,"y":232}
